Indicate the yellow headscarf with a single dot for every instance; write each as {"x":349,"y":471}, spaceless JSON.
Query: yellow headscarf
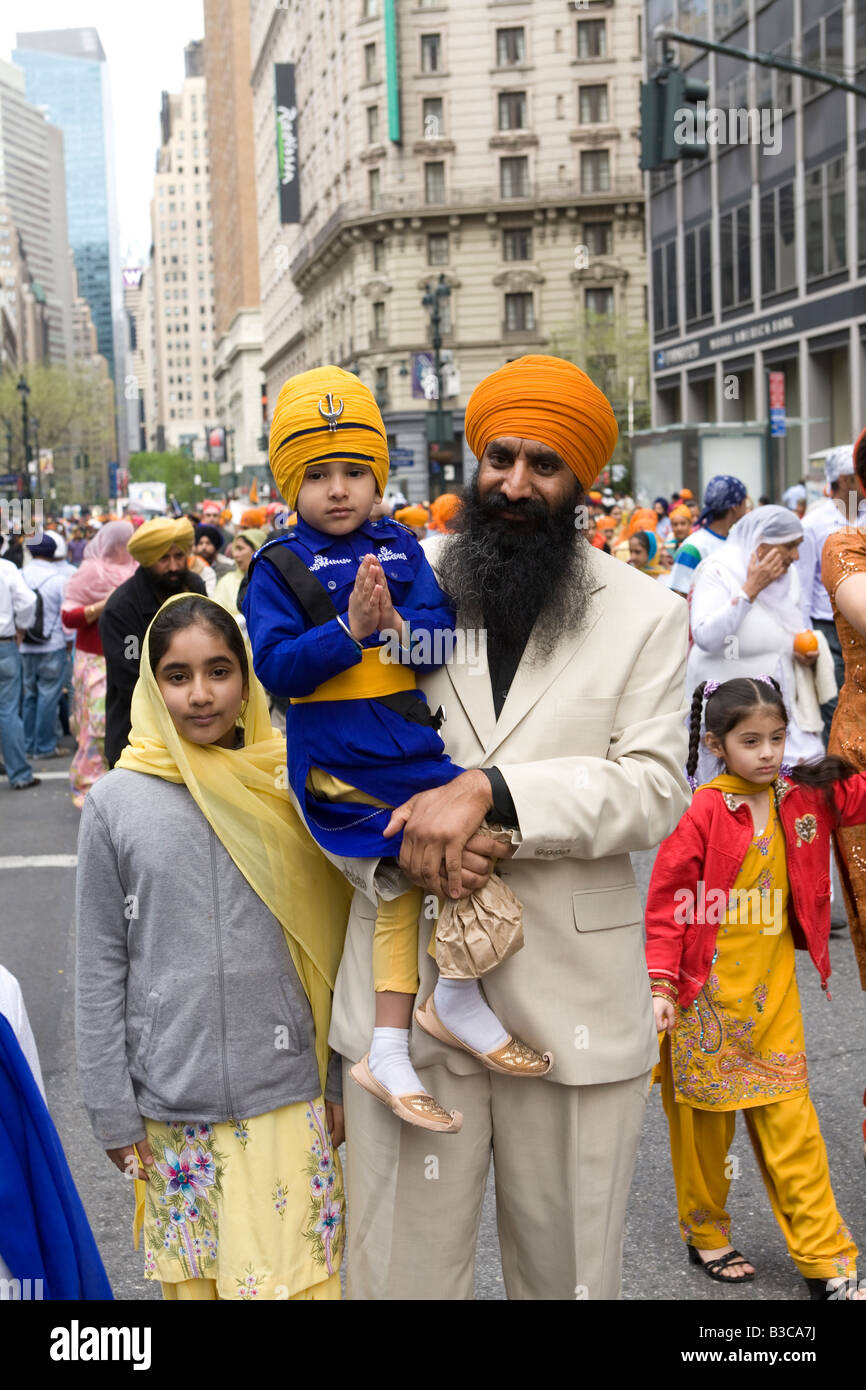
{"x":242,"y":794}
{"x":157,"y":536}
{"x":320,"y":415}
{"x":412,"y":516}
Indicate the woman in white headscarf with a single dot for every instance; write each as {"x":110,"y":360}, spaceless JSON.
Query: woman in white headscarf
{"x":746,"y":610}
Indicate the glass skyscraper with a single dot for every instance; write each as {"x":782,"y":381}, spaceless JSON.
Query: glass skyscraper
{"x":66,"y":76}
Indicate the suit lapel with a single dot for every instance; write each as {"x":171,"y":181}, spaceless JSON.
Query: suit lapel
{"x":471,"y":682}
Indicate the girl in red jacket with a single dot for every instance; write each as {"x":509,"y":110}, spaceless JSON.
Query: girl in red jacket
{"x":742,"y":881}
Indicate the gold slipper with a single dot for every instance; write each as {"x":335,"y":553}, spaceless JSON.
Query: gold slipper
{"x":419,"y":1108}
{"x":513,"y":1058}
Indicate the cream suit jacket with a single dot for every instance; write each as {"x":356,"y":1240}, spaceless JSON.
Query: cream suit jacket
{"x":591,"y":743}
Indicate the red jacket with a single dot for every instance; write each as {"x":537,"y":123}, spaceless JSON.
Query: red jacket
{"x":704,"y":855}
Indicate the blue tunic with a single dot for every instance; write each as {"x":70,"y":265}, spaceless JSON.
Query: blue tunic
{"x":362,"y":742}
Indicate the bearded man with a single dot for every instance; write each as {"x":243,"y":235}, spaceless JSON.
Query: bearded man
{"x":161,"y":547}
{"x":573,"y":726}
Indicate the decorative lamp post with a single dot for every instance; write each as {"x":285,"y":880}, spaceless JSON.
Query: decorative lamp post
{"x":24,"y":391}
{"x":434,"y":295}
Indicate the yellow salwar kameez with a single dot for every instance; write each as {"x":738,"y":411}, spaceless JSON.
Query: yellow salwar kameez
{"x":248,"y":1209}
{"x":740,"y":1046}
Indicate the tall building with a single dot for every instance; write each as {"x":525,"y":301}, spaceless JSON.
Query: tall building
{"x":66,"y":75}
{"x":182,"y":269}
{"x":237,"y":309}
{"x":33,"y":190}
{"x":24,"y":322}
{"x":488,"y":149}
{"x":135,"y":305}
{"x":758,"y":251}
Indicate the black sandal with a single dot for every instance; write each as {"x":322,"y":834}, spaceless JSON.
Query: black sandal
{"x":713,"y":1268}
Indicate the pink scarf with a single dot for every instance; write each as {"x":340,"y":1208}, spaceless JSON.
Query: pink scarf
{"x":106,"y":564}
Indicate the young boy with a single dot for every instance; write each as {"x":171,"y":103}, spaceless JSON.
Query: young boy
{"x":350,"y":763}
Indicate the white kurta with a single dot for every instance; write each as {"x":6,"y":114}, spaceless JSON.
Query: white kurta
{"x":745,"y":639}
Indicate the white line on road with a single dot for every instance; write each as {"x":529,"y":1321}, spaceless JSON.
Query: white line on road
{"x":39,"y":861}
{"x":50,"y":776}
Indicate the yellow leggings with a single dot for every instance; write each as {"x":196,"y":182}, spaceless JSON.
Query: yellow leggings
{"x":205,"y":1290}
{"x":792,"y":1159}
{"x":395,"y":938}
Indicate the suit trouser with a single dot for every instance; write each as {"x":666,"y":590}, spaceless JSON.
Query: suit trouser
{"x":792,"y":1159}
{"x":564,"y":1157}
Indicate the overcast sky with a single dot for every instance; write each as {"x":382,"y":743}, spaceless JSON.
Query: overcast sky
{"x":144,"y":47}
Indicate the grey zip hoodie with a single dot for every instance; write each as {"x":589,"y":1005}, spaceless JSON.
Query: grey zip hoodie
{"x":188,"y":1004}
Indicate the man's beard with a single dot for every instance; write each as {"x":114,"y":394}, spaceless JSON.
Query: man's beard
{"x":168,"y":584}
{"x":515,"y":578}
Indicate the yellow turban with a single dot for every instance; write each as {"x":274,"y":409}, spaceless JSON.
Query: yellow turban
{"x":157,"y":536}
{"x":412,"y":516}
{"x":677,"y":512}
{"x":550,"y":400}
{"x":321,"y":415}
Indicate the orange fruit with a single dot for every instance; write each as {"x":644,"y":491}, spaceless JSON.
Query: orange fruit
{"x":805,"y":642}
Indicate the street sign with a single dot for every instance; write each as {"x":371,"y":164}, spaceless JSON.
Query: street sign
{"x":402,"y":458}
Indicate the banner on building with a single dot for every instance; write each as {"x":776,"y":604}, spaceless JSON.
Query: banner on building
{"x":216,"y":444}
{"x":288,"y":172}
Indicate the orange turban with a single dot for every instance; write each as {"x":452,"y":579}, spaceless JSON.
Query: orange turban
{"x":687,"y":493}
{"x":253,"y":516}
{"x":412,"y":516}
{"x":444,"y":509}
{"x":605,"y":523}
{"x":550,"y":400}
{"x":321,"y":415}
{"x":680,"y":512}
{"x":643,"y":519}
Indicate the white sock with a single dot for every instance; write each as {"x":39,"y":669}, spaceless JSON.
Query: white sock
{"x":461,"y":1007}
{"x":389,"y":1062}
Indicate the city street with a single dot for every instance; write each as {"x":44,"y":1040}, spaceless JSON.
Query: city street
{"x":37,"y":856}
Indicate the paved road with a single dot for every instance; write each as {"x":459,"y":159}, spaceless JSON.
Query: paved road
{"x":36,"y":944}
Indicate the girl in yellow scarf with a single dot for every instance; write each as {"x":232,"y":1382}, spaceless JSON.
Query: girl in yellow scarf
{"x":224,"y":1210}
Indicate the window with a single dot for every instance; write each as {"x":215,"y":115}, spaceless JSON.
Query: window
{"x":599,"y":302}
{"x":379,"y":319}
{"x":594,"y":171}
{"x":593,"y":104}
{"x":370,"y":10}
{"x":517,"y":244}
{"x":822,"y":48}
{"x":591,"y":38}
{"x":431,"y":118}
{"x":861,"y":204}
{"x":778,"y":230}
{"x":510,"y":47}
{"x":512,"y":110}
{"x":698,"y":273}
{"x":434,"y":181}
{"x":825,"y":219}
{"x":774,"y":89}
{"x":598,"y":238}
{"x":372,"y":125}
{"x":735,"y":257}
{"x":664,"y":283}
{"x":431,"y":52}
{"x":437,"y":248}
{"x":370,"y":62}
{"x":519,"y":313}
{"x":378,"y":253}
{"x":382,"y":385}
{"x":514,"y":177}
{"x":374,"y":187}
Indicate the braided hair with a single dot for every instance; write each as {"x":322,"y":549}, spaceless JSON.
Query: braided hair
{"x":733,"y":701}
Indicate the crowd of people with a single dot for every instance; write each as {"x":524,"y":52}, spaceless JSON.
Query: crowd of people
{"x":438,"y":921}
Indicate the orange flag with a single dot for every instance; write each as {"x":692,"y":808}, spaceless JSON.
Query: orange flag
{"x":254,"y":493}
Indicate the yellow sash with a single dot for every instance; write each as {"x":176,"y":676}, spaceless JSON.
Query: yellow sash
{"x":367,"y":681}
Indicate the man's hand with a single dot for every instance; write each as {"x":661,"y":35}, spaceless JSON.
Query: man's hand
{"x":335,"y":1117}
{"x":124,"y":1159}
{"x":479,"y":860}
{"x":437,"y":825}
{"x":365,"y":599}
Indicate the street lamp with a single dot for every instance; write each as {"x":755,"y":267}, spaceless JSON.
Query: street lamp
{"x":34,"y":426}
{"x":433,"y":298}
{"x":24,"y":391}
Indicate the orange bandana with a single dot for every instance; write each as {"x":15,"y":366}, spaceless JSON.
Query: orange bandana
{"x":549,"y":400}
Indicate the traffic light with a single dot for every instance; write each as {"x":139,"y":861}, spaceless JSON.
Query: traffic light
{"x":673,"y":125}
{"x":684,"y":125}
